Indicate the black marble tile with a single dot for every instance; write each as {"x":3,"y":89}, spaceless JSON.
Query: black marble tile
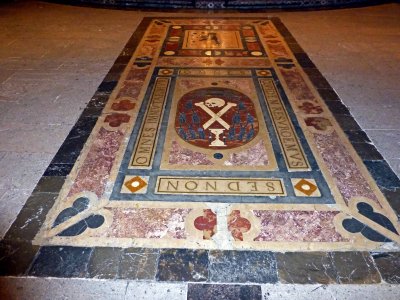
{"x":127,"y":52}
{"x":69,"y":150}
{"x":319,"y":82}
{"x":242,"y":266}
{"x":82,"y":128}
{"x":61,"y":262}
{"x":58,"y":169}
{"x":224,"y":292}
{"x":182,"y":265}
{"x":106,"y":87}
{"x":347,"y":122}
{"x":40,"y":202}
{"x":393,"y":197}
{"x":295,"y":48}
{"x":291,"y":40}
{"x":16,"y":257}
{"x":73,"y":144}
{"x":306,"y":268}
{"x":357,"y":136}
{"x":138,"y":264}
{"x":328,"y":95}
{"x":117,"y":68}
{"x":338,"y":108}
{"x":49,"y":184}
{"x":383,"y":174}
{"x":113,"y":76}
{"x":304,"y":60}
{"x":104,"y":262}
{"x":123,"y":59}
{"x":98,"y":100}
{"x":355,"y":268}
{"x":92,"y":112}
{"x":31,"y":217}
{"x":388,"y":264}
{"x":312,"y":72}
{"x":367,"y":151}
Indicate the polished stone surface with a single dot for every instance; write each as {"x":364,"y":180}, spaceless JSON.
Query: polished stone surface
{"x":61,"y":262}
{"x":220,"y":291}
{"x":242,"y":267}
{"x":355,"y":267}
{"x":221,"y":4}
{"x":137,"y":263}
{"x":104,"y":263}
{"x":50,"y":59}
{"x":183,"y":265}
{"x":42,"y":63}
{"x":215,"y":124}
{"x":388,"y":265}
{"x":54,"y":288}
{"x":318,"y":266}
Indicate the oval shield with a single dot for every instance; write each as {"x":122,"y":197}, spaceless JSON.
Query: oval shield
{"x":216,"y":118}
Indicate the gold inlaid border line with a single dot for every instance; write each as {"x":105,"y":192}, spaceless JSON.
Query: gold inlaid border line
{"x":143,"y":152}
{"x":220,"y":186}
{"x":221,"y":72}
{"x":289,"y":143}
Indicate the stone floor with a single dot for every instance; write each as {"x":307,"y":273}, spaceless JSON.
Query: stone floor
{"x":55,"y":57}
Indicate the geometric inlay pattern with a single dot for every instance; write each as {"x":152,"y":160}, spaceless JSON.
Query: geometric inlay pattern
{"x":215,"y":138}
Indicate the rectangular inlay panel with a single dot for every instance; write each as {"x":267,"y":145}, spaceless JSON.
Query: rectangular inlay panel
{"x":291,"y":148}
{"x":212,"y":39}
{"x":215,"y":138}
{"x":219,"y":121}
{"x":220,"y":186}
{"x":144,"y":149}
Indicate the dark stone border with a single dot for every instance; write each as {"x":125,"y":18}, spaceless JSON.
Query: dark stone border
{"x":381,"y":172}
{"x":17,"y":253}
{"x":19,"y":257}
{"x":203,"y":266}
{"x":228,"y":6}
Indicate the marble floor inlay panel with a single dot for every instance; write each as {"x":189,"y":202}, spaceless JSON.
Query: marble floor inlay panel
{"x":215,"y":137}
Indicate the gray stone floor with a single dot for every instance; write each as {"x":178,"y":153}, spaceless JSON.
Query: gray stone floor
{"x":77,"y":289}
{"x":53,"y":57}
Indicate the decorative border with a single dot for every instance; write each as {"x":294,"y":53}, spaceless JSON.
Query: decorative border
{"x":24,"y":258}
{"x":223,"y":4}
{"x":356,"y":195}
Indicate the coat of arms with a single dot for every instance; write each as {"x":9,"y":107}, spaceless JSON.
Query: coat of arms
{"x":216,"y":118}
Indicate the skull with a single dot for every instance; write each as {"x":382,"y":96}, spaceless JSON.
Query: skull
{"x":214,"y":102}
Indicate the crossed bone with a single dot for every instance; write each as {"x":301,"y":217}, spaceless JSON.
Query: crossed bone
{"x":216,"y":117}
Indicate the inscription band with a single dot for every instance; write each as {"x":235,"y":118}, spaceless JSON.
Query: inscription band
{"x":214,"y":72}
{"x":220,"y":186}
{"x":291,"y":148}
{"x":144,"y":150}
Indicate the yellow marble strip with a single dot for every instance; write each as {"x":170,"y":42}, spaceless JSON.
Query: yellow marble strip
{"x":214,"y":72}
{"x":144,"y":150}
{"x":220,"y":186}
{"x":291,"y":147}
